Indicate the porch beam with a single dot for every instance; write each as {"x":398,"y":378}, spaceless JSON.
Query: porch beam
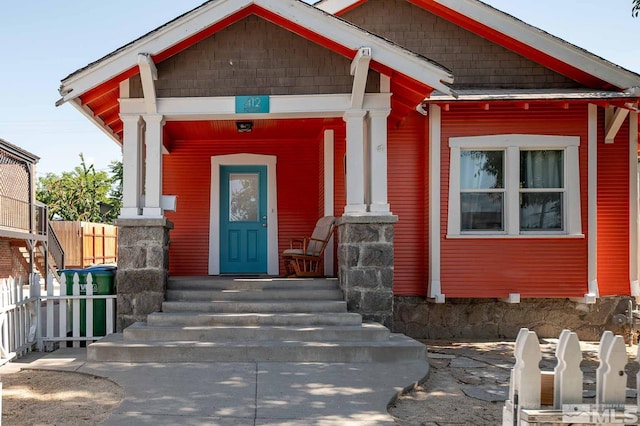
{"x":614,"y":117}
{"x":360,"y":71}
{"x":281,"y":106}
{"x":148,"y":74}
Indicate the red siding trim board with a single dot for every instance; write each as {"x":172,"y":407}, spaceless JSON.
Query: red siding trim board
{"x":495,"y":267}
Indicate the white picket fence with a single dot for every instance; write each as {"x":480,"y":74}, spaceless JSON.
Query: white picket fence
{"x":62,"y":312}
{"x":36,"y":319}
{"x":18,"y":320}
{"x":524,"y":406}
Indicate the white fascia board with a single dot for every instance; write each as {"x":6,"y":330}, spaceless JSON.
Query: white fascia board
{"x":156,"y":42}
{"x":95,"y":120}
{"x":335,"y":6}
{"x":544,"y":42}
{"x":281,"y":106}
{"x":348,"y":35}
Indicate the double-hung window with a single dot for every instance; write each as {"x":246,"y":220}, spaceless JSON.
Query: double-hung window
{"x":512,"y":185}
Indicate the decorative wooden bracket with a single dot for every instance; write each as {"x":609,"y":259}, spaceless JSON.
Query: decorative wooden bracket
{"x":359,"y":71}
{"x":614,"y":117}
{"x":148,"y":74}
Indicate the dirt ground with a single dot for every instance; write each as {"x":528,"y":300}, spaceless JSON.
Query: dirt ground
{"x":469,"y":381}
{"x":40,"y":397}
{"x":467,"y":385}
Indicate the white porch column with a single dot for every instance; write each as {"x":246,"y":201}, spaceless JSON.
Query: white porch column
{"x":633,"y":204}
{"x":131,"y":164}
{"x":329,"y":173}
{"x":355,"y":162}
{"x":153,"y":175}
{"x":378,"y":161}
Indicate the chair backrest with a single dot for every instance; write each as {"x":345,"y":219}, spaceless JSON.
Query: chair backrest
{"x":320,"y":236}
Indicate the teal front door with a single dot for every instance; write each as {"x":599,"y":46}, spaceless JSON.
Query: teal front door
{"x":243,"y":219}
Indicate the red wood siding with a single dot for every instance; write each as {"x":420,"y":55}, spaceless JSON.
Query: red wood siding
{"x":408,"y":197}
{"x":187,"y":174}
{"x":613,"y":213}
{"x":533,"y":267}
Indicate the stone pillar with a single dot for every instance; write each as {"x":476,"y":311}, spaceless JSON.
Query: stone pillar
{"x":365,"y":265}
{"x":143,"y":265}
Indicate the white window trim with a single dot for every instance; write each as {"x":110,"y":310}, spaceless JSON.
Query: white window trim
{"x":512,"y":144}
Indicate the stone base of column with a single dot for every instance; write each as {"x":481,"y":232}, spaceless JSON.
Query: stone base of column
{"x":143,"y":265}
{"x":365,"y":265}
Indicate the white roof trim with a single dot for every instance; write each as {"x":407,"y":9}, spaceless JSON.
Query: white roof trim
{"x":528,"y":34}
{"x":341,"y":32}
{"x":529,"y":95}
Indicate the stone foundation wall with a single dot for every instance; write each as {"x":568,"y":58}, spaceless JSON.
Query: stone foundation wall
{"x":365,"y":265}
{"x":492,"y":319}
{"x":143,"y":264}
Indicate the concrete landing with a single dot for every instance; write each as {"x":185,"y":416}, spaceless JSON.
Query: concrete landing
{"x":262,"y":393}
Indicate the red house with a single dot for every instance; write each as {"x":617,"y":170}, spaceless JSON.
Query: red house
{"x":471,"y":159}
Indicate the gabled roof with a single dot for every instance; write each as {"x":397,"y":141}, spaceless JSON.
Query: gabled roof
{"x":520,"y":37}
{"x":18,"y":152}
{"x":295,"y":15}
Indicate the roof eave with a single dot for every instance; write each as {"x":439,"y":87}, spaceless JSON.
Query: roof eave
{"x":294,"y":11}
{"x":518,"y":30}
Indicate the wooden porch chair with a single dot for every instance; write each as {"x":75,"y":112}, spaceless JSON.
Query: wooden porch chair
{"x":305,"y":255}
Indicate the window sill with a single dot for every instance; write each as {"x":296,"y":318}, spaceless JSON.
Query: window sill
{"x":511,"y":237}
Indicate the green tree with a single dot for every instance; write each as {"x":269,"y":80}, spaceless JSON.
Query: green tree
{"x":78,"y":195}
{"x":635,"y":10}
{"x":115,"y":193}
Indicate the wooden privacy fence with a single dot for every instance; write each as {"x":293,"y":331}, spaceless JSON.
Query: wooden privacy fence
{"x":534,"y":400}
{"x":18,"y":320}
{"x":87,"y":243}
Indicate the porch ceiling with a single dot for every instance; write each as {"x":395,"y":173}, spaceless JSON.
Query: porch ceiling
{"x":261,"y":130}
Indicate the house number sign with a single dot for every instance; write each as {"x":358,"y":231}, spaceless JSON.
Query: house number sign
{"x":252,"y":104}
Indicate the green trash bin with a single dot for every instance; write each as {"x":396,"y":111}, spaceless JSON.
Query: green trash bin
{"x":103,"y":284}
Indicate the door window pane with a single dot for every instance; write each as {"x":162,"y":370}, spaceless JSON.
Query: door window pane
{"x":243,"y":197}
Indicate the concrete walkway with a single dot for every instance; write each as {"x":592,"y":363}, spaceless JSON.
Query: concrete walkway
{"x":274,"y":393}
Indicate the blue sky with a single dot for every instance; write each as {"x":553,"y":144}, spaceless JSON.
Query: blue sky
{"x":43,"y":41}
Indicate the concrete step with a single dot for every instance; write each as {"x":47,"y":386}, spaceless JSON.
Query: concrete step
{"x":114,"y":349}
{"x":267,"y":306}
{"x":222,"y":283}
{"x":190,"y":319}
{"x":365,"y":332}
{"x":254,"y":294}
